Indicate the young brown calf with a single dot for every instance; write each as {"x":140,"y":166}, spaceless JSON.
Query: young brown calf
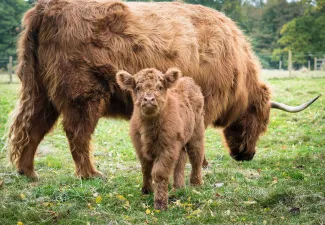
{"x":167,"y":121}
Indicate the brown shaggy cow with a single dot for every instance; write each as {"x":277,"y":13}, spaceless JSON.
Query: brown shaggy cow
{"x":70,"y":51}
{"x":167,"y":119}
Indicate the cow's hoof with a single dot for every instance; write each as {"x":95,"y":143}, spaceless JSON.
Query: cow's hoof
{"x":32,"y":175}
{"x":91,"y":175}
{"x":146,"y":191}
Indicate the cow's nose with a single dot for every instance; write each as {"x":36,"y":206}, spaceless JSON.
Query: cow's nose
{"x":149,"y":99}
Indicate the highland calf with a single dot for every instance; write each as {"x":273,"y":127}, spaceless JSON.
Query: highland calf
{"x":167,"y":121}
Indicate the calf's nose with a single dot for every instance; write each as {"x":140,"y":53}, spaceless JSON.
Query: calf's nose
{"x":149,"y":99}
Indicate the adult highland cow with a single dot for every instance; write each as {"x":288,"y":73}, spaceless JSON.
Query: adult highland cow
{"x":70,"y":51}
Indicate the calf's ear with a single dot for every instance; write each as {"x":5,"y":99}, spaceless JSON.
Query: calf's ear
{"x":125,"y":80}
{"x":171,"y":76}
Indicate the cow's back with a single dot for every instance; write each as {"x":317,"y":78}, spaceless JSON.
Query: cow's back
{"x":89,"y":40}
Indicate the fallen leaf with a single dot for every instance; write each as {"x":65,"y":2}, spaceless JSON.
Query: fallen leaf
{"x":22,"y":196}
{"x":218,"y":184}
{"x":196,"y":192}
{"x":1,"y":182}
{"x":20,"y":223}
{"x":178,"y":203}
{"x":249,"y":202}
{"x":99,"y":199}
{"x":218,"y":195}
{"x":121,"y":197}
{"x":126,"y":205}
{"x":90,"y":206}
{"x":275,"y":181}
{"x":148,"y":211}
{"x":196,"y":212}
{"x":211,"y":213}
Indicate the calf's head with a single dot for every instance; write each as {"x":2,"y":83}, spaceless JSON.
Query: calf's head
{"x":149,"y":88}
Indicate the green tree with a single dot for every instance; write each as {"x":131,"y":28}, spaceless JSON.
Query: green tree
{"x":11,"y":12}
{"x":276,"y":13}
{"x":232,"y":8}
{"x":304,"y":35}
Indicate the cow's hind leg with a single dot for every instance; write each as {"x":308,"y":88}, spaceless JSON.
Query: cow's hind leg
{"x":41,"y":120}
{"x":179,"y":171}
{"x":79,"y":122}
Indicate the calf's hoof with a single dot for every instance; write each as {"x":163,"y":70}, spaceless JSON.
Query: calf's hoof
{"x":205,"y":164}
{"x":196,"y":182}
{"x":161,"y":205}
{"x":30,"y":174}
{"x":179,"y":186}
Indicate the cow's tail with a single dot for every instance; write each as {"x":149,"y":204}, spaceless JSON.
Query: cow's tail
{"x":20,"y":123}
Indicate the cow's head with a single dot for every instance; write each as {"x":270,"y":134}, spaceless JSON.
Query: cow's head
{"x":242,"y":135}
{"x":149,"y":88}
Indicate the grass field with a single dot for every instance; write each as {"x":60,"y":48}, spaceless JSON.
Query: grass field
{"x":284,"y":184}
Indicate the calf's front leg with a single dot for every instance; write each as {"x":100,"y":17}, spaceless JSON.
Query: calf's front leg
{"x":161,"y":171}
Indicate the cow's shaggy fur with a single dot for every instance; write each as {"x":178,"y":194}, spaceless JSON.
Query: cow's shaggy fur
{"x":167,"y":121}
{"x":70,"y":51}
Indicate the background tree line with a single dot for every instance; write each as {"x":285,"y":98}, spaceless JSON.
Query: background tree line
{"x":273,"y":26}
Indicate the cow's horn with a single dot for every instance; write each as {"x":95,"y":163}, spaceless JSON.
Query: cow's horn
{"x":292,"y":109}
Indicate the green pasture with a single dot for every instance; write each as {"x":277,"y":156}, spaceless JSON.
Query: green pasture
{"x":284,"y":184}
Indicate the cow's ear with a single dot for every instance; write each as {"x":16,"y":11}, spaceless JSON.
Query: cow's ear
{"x":171,"y":76}
{"x":125,"y":80}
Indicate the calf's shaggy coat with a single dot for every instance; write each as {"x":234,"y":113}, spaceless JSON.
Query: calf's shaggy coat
{"x":167,"y":121}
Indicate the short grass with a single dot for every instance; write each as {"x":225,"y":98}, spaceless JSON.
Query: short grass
{"x":284,"y":184}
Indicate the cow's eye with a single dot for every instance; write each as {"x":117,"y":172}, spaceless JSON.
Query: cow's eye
{"x":160,"y":88}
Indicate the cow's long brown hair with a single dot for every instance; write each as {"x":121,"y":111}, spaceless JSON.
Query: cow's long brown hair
{"x":70,"y":51}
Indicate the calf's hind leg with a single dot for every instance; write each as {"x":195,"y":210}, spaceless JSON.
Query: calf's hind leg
{"x":179,"y":171}
{"x":195,"y":151}
{"x":79,"y":122}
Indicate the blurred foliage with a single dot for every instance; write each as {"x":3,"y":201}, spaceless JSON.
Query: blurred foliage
{"x":304,"y":34}
{"x":273,"y":26}
{"x":11,"y":12}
